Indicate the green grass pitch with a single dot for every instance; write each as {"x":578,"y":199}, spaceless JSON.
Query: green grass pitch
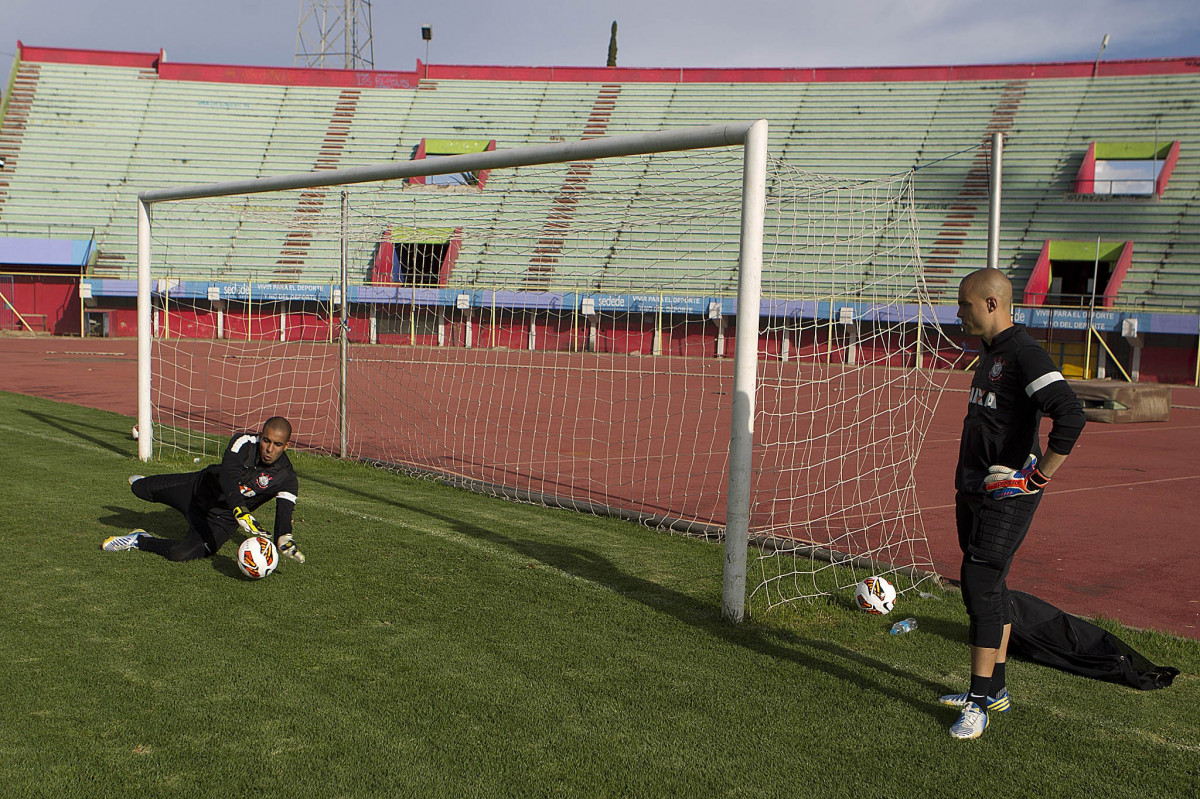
{"x":438,"y":643}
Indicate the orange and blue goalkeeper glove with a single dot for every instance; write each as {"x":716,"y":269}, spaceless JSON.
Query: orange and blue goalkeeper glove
{"x":1003,"y":482}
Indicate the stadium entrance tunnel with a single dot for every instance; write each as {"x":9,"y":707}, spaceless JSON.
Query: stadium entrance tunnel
{"x":1066,"y":271}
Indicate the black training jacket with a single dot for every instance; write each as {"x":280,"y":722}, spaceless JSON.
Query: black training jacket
{"x":1015,"y":383}
{"x":242,"y":479}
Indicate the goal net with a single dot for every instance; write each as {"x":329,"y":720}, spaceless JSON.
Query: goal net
{"x":563,"y":334}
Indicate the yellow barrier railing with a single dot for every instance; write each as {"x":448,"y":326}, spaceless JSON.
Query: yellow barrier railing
{"x":1092,"y":331}
{"x":17,"y":313}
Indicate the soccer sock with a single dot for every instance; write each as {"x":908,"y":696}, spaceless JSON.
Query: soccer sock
{"x":998,"y":683}
{"x":979,"y":690}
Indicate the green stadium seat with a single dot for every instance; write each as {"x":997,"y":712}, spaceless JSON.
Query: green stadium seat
{"x":84,"y":139}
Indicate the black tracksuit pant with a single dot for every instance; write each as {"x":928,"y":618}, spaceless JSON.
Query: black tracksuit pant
{"x":989,"y":533}
{"x":207,"y":530}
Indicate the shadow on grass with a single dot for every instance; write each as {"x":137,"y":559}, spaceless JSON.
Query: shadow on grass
{"x":953,"y":631}
{"x":78,"y":430}
{"x":853,"y":668}
{"x":225,"y":564}
{"x":159,"y":520}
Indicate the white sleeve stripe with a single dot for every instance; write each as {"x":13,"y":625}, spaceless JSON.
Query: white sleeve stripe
{"x":242,"y":440}
{"x":1042,"y":382}
{"x":290,"y":497}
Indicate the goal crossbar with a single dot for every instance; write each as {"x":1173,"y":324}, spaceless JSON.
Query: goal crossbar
{"x":752,"y":136}
{"x":695,"y":138}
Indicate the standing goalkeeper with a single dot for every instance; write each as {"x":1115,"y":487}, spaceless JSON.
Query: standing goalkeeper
{"x":216,"y":501}
{"x":1000,"y":477}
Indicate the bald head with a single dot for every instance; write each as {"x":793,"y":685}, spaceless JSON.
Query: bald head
{"x":985,"y":303}
{"x":989,"y":283}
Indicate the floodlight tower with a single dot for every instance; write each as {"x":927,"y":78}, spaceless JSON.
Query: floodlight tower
{"x":335,"y":33}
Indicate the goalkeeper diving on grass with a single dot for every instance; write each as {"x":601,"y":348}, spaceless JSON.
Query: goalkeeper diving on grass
{"x":220,"y":499}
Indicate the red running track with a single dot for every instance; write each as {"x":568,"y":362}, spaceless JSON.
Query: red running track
{"x":1115,"y":536}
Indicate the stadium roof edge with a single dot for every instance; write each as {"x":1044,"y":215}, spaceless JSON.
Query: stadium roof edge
{"x":67,"y":55}
{"x":307,"y":76}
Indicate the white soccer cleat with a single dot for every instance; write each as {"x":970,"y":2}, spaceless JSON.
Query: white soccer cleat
{"x":133,"y":478}
{"x":123,"y":543}
{"x":971,"y":723}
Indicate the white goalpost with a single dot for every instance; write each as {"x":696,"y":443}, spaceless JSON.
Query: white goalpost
{"x":563,"y":336}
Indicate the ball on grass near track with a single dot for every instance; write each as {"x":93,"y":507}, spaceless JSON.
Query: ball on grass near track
{"x":875,"y":595}
{"x":257,"y":557}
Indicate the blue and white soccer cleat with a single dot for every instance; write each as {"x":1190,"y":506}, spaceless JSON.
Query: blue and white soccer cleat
{"x":970,"y":724}
{"x":995,"y":704}
{"x":123,"y":543}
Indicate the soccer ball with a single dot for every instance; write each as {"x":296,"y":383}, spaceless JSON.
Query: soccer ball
{"x":875,"y":595}
{"x":257,"y":557}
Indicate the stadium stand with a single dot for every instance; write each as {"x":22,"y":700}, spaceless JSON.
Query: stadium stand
{"x":85,"y":131}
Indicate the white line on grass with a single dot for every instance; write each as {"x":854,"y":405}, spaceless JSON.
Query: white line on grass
{"x":70,"y":442}
{"x":1120,"y":729}
{"x":457,"y":538}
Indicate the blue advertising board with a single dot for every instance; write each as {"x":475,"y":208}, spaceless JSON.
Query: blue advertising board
{"x":1036,"y":318}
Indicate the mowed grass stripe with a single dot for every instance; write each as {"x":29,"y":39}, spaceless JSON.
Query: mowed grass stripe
{"x":439,"y":643}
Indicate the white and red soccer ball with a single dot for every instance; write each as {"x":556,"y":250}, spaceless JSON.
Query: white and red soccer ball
{"x":257,"y":557}
{"x":875,"y":595}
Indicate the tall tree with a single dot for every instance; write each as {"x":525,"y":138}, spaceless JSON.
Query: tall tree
{"x":612,"y":46}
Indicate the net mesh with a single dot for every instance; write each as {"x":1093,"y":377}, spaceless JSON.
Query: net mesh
{"x":565,"y":335}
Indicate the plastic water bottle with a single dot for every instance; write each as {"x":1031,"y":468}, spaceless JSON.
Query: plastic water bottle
{"x":902,"y":627}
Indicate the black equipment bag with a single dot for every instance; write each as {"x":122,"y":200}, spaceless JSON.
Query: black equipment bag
{"x":1047,"y":635}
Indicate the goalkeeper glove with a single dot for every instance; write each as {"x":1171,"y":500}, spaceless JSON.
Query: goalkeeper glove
{"x":1003,"y":482}
{"x":287,"y":548}
{"x":247,"y":522}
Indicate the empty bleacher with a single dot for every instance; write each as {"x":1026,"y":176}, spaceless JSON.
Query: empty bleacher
{"x":83,"y":139}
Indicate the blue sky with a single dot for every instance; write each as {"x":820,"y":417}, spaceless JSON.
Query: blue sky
{"x":672,"y":33}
